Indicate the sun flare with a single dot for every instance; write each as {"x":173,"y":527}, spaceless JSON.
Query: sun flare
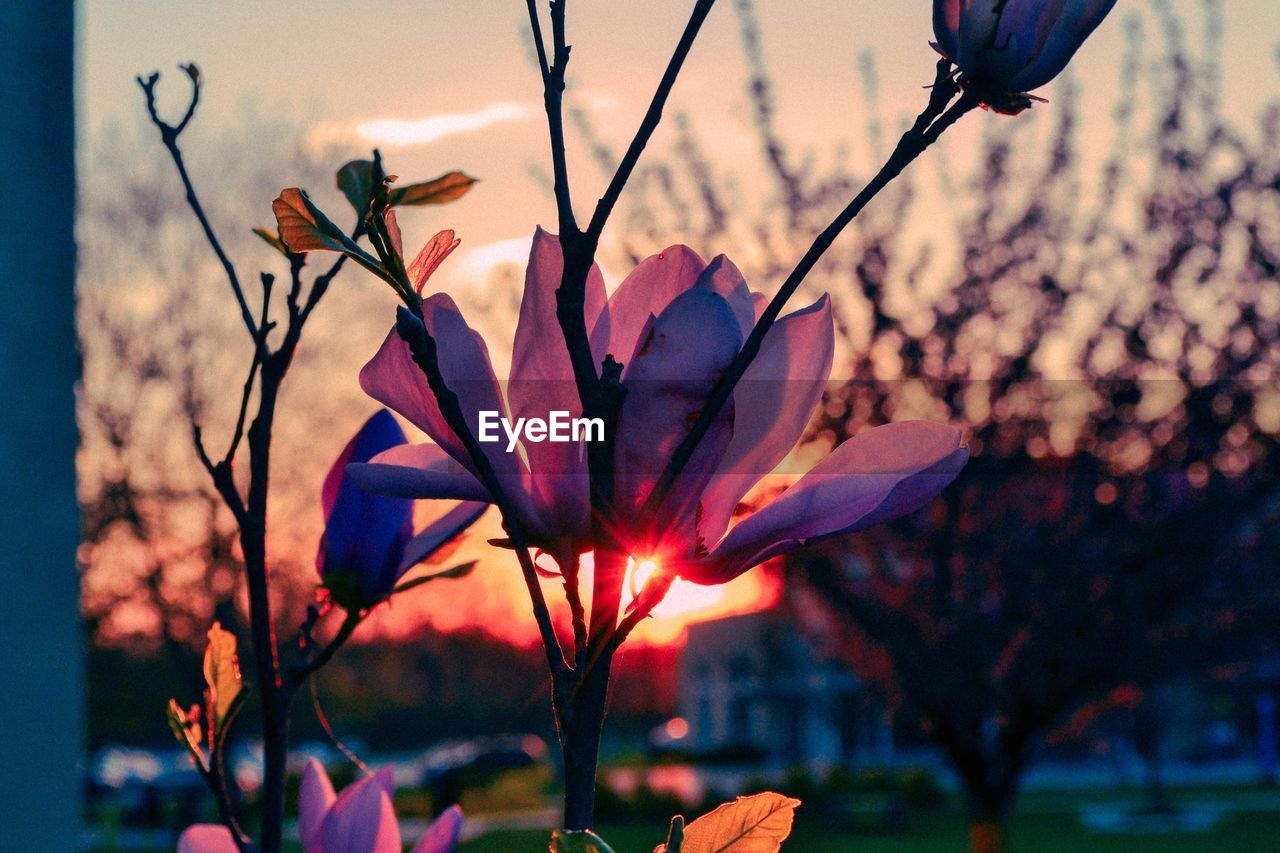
{"x":688,"y":602}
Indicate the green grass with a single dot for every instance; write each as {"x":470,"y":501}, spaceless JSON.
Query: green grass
{"x":1032,"y":834}
{"x":1049,"y":824}
{"x":1045,"y":822}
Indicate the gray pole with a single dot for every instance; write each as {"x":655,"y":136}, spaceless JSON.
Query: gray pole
{"x":41,"y":722}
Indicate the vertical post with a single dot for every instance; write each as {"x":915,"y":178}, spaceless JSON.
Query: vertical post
{"x":41,"y":725}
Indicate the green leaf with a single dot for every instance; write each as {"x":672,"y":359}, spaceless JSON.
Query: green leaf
{"x":573,"y":841}
{"x":757,"y":824}
{"x":272,"y":239}
{"x":221,"y":736}
{"x":448,"y":187}
{"x":222,"y":675}
{"x":459,"y":571}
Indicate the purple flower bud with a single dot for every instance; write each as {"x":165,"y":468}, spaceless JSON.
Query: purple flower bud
{"x":364,"y":535}
{"x":1006,"y":48}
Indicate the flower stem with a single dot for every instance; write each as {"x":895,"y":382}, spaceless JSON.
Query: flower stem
{"x":928,"y":128}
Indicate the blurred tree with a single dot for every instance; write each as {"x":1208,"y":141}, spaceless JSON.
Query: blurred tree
{"x":1110,"y":339}
{"x":159,"y":559}
{"x":1114,"y":529}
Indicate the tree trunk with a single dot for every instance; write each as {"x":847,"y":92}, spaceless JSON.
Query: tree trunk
{"x":41,"y":658}
{"x":990,"y":795}
{"x":986,"y":835}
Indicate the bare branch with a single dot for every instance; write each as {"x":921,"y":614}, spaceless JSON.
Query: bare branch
{"x":411,"y":328}
{"x":553,"y":100}
{"x":651,"y":595}
{"x":169,"y":136}
{"x":536,"y":28}
{"x":569,"y":568}
{"x":652,"y":117}
{"x":305,"y":668}
{"x":935,"y":120}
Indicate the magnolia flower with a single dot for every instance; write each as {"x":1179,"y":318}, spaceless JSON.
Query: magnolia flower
{"x":1006,"y":48}
{"x":368,"y":542}
{"x":676,"y":322}
{"x":359,"y":820}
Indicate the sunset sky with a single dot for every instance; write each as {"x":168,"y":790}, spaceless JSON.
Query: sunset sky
{"x":441,"y":85}
{"x":436,"y":83}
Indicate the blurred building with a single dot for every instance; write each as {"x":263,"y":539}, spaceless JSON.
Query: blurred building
{"x":753,"y":688}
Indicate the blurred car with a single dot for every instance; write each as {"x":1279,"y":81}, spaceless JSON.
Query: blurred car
{"x":452,"y":766}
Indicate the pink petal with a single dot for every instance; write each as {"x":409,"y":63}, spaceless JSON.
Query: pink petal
{"x":647,"y":291}
{"x":686,"y":350}
{"x":442,"y":835}
{"x":430,"y":257}
{"x":419,"y":471}
{"x":393,"y":379}
{"x":871,"y":478}
{"x":315,"y":796}
{"x":759,"y":302}
{"x":542,"y":381}
{"x":722,"y":276}
{"x":393,"y":231}
{"x":441,"y":531}
{"x":207,"y":838}
{"x":362,"y":819}
{"x":775,"y":400}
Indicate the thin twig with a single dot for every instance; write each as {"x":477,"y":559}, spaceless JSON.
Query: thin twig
{"x":169,"y":136}
{"x":536,"y":27}
{"x":570,"y":567}
{"x":412,"y":329}
{"x":267,"y":371}
{"x":553,"y":99}
{"x":305,"y":668}
{"x":246,"y":393}
{"x":931,"y":124}
{"x":215,"y":779}
{"x":652,"y":117}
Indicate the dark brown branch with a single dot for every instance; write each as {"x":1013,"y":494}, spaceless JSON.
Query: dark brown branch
{"x":215,"y":779}
{"x":569,"y":567}
{"x":305,"y":668}
{"x":411,"y":328}
{"x":650,"y":596}
{"x":536,"y":27}
{"x":169,"y":136}
{"x":267,"y":371}
{"x":652,"y":117}
{"x":929,"y":126}
{"x":579,"y":700}
{"x":553,"y":100}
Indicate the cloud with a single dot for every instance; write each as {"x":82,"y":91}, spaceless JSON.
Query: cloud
{"x":404,"y":133}
{"x":479,"y":262}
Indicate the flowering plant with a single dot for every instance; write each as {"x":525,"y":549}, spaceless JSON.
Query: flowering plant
{"x":700,"y":386}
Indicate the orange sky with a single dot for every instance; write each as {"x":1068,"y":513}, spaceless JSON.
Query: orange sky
{"x":494,"y":596}
{"x":451,"y":85}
